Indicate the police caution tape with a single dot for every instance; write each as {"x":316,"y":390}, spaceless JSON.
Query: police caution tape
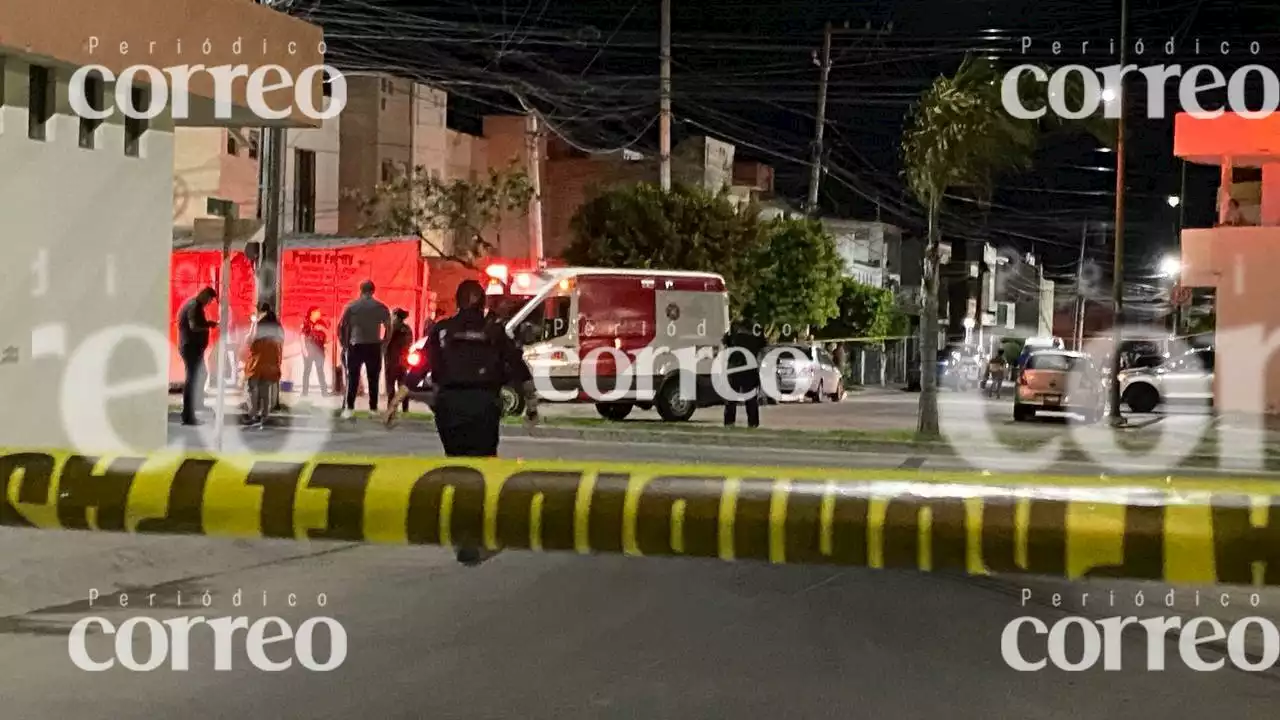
{"x":1175,"y":530}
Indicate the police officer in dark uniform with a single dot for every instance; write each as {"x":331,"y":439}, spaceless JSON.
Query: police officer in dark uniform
{"x":744,"y":376}
{"x":470,"y":360}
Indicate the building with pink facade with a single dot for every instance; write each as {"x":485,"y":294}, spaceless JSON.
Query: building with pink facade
{"x":1240,"y":257}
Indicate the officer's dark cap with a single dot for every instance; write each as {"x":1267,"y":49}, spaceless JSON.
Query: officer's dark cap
{"x":470,"y":295}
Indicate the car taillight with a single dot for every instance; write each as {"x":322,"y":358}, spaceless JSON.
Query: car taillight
{"x":415,"y":358}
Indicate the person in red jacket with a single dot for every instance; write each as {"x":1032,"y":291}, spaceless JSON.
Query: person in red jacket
{"x":314,"y":339}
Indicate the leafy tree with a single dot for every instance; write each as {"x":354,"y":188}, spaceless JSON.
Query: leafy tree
{"x":959,"y":136}
{"x":865,"y":311}
{"x":450,"y":216}
{"x":688,"y":228}
{"x":799,"y":275}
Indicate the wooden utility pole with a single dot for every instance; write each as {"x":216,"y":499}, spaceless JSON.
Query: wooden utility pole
{"x":815,"y":170}
{"x":664,"y":121}
{"x":1077,"y":332}
{"x":1117,"y":281}
{"x":535,"y":200}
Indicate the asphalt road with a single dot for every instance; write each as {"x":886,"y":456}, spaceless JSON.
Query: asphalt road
{"x":557,"y":636}
{"x":533,"y":636}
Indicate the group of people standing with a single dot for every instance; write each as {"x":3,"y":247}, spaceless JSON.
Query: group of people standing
{"x":374,"y":340}
{"x":263,"y":357}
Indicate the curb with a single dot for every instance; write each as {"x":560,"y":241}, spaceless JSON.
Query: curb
{"x":745,"y":438}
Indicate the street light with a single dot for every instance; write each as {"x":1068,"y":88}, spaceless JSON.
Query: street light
{"x":1174,"y":201}
{"x":1108,"y":95}
{"x":1170,"y":266}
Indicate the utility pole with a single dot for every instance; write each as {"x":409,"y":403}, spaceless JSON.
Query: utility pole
{"x":1078,"y":329}
{"x":271,"y":178}
{"x":272,"y":156}
{"x":230,"y":214}
{"x":664,"y":121}
{"x":1117,"y":281}
{"x":815,"y":171}
{"x":535,"y":201}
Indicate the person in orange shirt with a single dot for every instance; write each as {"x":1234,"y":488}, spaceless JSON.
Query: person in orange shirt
{"x":264,"y":358}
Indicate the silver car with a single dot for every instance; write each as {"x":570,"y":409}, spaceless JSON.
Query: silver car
{"x":1187,"y":378}
{"x":815,"y":368}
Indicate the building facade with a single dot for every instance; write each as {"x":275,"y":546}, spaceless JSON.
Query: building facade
{"x":85,"y":327}
{"x":1236,"y":259}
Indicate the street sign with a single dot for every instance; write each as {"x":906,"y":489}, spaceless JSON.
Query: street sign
{"x":1180,"y":295}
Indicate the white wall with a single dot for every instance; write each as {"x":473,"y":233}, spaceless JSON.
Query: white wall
{"x":324,"y":142}
{"x":103,"y":223}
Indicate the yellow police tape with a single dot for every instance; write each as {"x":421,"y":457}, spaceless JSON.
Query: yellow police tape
{"x":1183,"y":530}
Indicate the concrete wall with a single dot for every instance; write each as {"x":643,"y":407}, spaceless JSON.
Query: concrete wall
{"x":358,"y":148}
{"x":1240,"y":263}
{"x":325,"y":143}
{"x":95,"y":221}
{"x":506,"y":137}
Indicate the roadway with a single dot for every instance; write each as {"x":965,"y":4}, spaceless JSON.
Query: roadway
{"x":560,"y":636}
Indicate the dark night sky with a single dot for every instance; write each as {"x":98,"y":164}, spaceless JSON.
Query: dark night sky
{"x":744,"y":72}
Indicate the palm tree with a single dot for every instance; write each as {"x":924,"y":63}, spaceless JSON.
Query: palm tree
{"x":960,"y":136}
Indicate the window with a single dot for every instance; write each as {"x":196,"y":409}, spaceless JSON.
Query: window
{"x":39,"y":101}
{"x":550,"y":319}
{"x":326,"y":86}
{"x":304,"y":189}
{"x":384,"y":103}
{"x":135,"y":128}
{"x":255,"y":140}
{"x":1054,"y":361}
{"x":93,"y":92}
{"x":233,"y":147}
{"x":387,"y":169}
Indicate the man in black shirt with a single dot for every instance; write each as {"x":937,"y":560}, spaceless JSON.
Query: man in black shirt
{"x":744,"y":375}
{"x":193,"y":342}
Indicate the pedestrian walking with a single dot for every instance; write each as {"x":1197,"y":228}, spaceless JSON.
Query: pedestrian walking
{"x":314,"y":339}
{"x":471,"y":360}
{"x":396,"y":359}
{"x":744,"y":345}
{"x":193,"y":342}
{"x":363,"y":330}
{"x":264,"y":358}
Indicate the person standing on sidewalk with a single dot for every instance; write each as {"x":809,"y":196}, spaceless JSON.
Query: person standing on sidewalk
{"x":744,"y":373}
{"x":396,"y":360}
{"x":193,"y":342}
{"x":364,"y":330}
{"x":314,"y":339}
{"x":263,"y":360}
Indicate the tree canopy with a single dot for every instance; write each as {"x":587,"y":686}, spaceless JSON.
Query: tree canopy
{"x":798,"y":275}
{"x":865,"y":311}
{"x":687,"y":228}
{"x":451,"y":215}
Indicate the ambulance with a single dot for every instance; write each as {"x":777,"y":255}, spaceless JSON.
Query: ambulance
{"x":621,"y":339}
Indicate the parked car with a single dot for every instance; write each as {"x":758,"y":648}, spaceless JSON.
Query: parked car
{"x":1059,"y":381}
{"x":818,"y":370}
{"x":960,"y":367}
{"x":1187,"y":378}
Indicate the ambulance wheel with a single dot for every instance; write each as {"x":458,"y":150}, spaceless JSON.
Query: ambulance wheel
{"x":614,"y":411}
{"x":512,"y":401}
{"x":672,"y":407}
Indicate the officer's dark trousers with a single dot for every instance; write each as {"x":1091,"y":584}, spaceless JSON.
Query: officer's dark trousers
{"x":467,"y":421}
{"x":744,"y":383}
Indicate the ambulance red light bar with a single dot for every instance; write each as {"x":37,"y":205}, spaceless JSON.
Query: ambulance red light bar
{"x":498,"y":272}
